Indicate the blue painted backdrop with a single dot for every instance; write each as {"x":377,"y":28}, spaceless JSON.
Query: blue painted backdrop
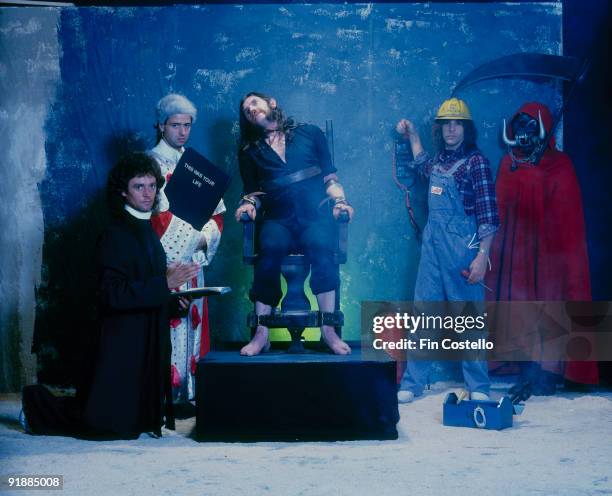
{"x":363,"y":66}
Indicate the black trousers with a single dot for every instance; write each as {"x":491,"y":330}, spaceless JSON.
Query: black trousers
{"x":278,"y":238}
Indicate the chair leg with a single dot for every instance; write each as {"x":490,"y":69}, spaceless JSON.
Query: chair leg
{"x":337,"y":306}
{"x":295,"y":300}
{"x":296,"y":345}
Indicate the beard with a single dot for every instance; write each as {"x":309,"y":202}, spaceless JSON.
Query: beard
{"x":270,"y":116}
{"x":275,"y":114}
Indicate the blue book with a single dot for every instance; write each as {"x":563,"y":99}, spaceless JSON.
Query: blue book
{"x":195,"y":188}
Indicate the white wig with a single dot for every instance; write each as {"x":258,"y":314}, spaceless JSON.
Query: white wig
{"x":174,"y":104}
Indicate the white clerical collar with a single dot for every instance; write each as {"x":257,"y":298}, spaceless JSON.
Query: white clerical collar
{"x":137,"y":213}
{"x":167,"y":151}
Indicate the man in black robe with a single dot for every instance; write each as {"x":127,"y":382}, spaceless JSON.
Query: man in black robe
{"x":129,"y":388}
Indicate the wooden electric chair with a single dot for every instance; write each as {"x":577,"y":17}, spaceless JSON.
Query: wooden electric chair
{"x":295,"y":313}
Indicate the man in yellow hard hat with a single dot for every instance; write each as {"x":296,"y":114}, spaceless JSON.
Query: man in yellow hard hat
{"x":462,"y":220}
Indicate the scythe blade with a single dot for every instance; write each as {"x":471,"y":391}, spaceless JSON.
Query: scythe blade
{"x":531,"y":65}
{"x":525,"y":65}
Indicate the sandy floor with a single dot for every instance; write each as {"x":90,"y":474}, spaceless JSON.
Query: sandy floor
{"x":561,"y":445}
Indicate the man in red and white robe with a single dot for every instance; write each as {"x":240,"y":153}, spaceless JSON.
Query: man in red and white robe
{"x":190,"y":335}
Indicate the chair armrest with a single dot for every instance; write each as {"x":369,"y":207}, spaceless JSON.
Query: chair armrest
{"x":248,"y":238}
{"x":340,"y":250}
{"x":343,"y":217}
{"x":245,"y":218}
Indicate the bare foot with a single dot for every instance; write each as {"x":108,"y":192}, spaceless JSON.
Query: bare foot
{"x":338,"y":346}
{"x":259,"y":342}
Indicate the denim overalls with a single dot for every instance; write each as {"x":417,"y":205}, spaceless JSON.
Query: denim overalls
{"x":449,"y":246}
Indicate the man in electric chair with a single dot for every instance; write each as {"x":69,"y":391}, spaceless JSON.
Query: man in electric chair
{"x":288,"y":175}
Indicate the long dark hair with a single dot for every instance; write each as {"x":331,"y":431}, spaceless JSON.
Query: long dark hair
{"x":470,"y":135}
{"x":250,"y":133}
{"x":135,"y":164}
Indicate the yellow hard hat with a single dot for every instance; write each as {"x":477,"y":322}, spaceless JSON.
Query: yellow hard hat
{"x":454,"y":109}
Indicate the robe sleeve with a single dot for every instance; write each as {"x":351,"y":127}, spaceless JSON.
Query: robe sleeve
{"x":567,"y":236}
{"x":211,"y":233}
{"x":566,"y":232}
{"x":117,"y":287}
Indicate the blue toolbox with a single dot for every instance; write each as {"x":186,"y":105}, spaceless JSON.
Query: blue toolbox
{"x":493,"y":415}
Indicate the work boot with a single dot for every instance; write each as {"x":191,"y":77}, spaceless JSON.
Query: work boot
{"x":405,"y":396}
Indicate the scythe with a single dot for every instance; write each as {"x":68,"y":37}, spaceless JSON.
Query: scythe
{"x":531,"y":66}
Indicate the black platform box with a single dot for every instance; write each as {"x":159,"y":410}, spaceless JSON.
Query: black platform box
{"x":279,"y":396}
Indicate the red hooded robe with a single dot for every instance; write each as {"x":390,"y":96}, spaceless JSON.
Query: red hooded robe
{"x":540,"y":253}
